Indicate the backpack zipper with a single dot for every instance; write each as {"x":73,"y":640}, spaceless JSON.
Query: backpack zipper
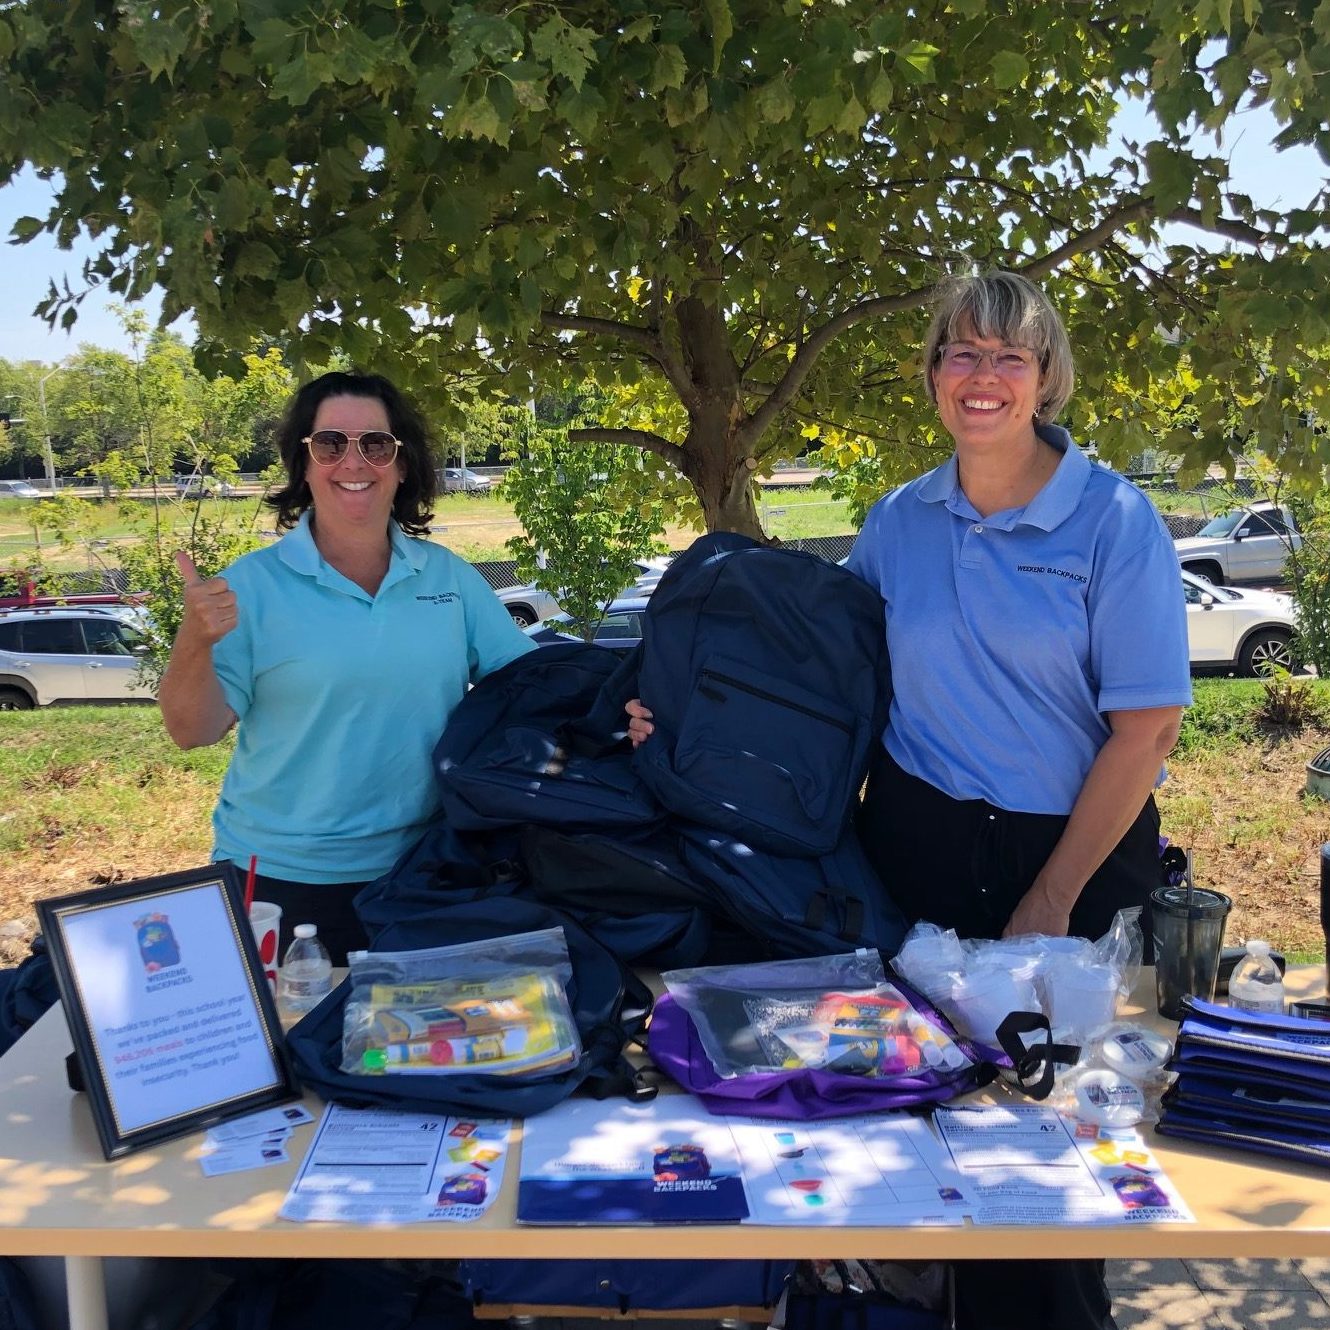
{"x":745,"y":687}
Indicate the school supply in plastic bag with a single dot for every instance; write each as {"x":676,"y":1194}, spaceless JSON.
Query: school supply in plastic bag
{"x":837,"y":1013}
{"x":500,"y":1006}
{"x":609,"y":1006}
{"x":813,"y":1092}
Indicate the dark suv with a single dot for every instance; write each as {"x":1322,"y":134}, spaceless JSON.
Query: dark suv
{"x":50,"y":657}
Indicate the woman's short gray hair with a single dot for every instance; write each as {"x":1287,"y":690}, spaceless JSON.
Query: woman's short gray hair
{"x":1010,"y":309}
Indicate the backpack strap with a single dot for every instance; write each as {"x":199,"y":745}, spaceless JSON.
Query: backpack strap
{"x":1039,"y":1061}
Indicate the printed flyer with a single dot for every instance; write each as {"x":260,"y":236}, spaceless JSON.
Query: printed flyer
{"x":380,"y":1166}
{"x":885,"y":1169}
{"x":612,"y":1162}
{"x":1029,"y":1165}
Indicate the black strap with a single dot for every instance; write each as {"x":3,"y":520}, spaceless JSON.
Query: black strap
{"x":1039,"y":1061}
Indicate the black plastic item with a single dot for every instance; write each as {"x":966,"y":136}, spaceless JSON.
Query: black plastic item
{"x":1228,"y":960}
{"x":1313,"y":1011}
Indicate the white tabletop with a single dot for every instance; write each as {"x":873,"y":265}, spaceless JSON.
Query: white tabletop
{"x":58,"y":1196}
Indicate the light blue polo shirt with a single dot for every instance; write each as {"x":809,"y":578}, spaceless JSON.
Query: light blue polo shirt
{"x":1011,"y":635}
{"x":341,"y":697}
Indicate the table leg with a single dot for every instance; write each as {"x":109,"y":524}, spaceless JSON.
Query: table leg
{"x":85,"y":1287}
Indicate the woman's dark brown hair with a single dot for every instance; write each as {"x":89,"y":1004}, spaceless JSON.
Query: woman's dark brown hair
{"x":413,"y":504}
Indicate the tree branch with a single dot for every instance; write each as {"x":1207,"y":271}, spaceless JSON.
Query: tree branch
{"x":652,"y":347}
{"x":637,"y":438}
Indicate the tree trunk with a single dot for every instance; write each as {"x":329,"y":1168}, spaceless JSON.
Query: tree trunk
{"x":715,"y":464}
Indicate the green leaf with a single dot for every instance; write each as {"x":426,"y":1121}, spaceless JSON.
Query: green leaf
{"x":1009,"y":69}
{"x":478,"y":118}
{"x":7,"y":42}
{"x":583,"y":110}
{"x":669,"y":70}
{"x":775,"y":101}
{"x":299,"y":80}
{"x":232,"y":209}
{"x":640,"y":29}
{"x":722,"y":29}
{"x":24,"y":229}
{"x":569,"y":51}
{"x":853,"y":117}
{"x":823,"y":112}
{"x":880,"y":90}
{"x":256,"y":260}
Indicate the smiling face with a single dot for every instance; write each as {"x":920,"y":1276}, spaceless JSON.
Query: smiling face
{"x":351,"y":495}
{"x":982,"y":409}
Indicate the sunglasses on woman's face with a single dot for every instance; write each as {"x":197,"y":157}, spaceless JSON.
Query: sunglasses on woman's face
{"x":328,"y":446}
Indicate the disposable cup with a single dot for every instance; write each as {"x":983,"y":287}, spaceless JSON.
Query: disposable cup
{"x":265,"y":919}
{"x":986,"y":995}
{"x":1080,"y":997}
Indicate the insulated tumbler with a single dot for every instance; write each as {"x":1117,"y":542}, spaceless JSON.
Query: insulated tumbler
{"x":1188,"y":935}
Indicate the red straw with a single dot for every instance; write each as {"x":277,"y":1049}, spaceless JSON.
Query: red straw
{"x":249,"y":881}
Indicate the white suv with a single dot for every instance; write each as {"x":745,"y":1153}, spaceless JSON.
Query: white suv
{"x":70,"y":656}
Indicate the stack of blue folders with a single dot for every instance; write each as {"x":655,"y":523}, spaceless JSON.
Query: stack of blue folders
{"x":1251,"y":1080}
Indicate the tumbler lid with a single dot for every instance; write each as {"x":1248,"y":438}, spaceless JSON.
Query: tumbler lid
{"x":1193,"y":903}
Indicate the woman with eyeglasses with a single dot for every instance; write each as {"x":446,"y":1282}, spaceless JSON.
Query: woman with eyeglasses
{"x":1039,"y":658}
{"x":340,"y":652}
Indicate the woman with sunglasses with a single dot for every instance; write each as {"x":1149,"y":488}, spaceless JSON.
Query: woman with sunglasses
{"x":340,"y":652}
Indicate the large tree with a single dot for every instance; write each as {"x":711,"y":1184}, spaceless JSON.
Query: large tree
{"x":731,"y":213}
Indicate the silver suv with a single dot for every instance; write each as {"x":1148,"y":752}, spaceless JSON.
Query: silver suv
{"x":70,"y":656}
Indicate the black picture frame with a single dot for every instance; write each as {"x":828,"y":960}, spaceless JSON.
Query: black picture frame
{"x":98,"y":948}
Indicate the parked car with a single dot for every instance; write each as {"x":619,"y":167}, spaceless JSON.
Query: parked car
{"x":206,"y":487}
{"x":21,"y":489}
{"x":51,"y":657}
{"x":1246,"y":631}
{"x":1249,"y":544}
{"x":619,"y":628}
{"x":462,"y":480}
{"x":529,"y":604}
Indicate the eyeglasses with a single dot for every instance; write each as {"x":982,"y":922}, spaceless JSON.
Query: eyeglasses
{"x":1009,"y":361}
{"x":328,"y":446}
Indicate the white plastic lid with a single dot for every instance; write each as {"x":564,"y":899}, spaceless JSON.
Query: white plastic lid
{"x":306,"y":930}
{"x":1109,"y":1099}
{"x":1257,"y":946}
{"x":1133,"y":1050}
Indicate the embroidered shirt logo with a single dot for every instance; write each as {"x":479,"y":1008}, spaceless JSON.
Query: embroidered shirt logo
{"x":1051,"y":572}
{"x":440,"y":598}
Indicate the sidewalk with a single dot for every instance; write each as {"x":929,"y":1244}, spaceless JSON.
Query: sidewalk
{"x":1221,"y":1295}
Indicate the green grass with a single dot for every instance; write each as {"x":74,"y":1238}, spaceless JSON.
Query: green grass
{"x":80,"y":774}
{"x":1226,"y":714}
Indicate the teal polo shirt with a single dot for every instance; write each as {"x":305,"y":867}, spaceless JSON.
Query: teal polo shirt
{"x":341,"y":697}
{"x":1011,"y":635}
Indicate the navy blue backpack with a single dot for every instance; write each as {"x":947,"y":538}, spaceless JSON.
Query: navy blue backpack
{"x":610,"y":1005}
{"x":766,"y":671}
{"x":512,"y":752}
{"x":796,"y":906}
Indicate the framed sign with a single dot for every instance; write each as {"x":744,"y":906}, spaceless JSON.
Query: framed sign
{"x":173,"y":1024}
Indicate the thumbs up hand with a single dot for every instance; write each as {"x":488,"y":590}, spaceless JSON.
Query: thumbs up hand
{"x":211,"y":610}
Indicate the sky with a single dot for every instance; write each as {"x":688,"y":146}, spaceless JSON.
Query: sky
{"x":1289,"y":179}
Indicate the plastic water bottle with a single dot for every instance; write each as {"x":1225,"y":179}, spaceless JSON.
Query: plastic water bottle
{"x":306,"y":975}
{"x":1256,"y":984}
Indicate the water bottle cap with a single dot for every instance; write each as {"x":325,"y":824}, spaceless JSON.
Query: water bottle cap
{"x":1258,"y":946}
{"x":306,"y":930}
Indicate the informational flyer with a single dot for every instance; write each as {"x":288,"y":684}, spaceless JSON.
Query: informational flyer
{"x":171,"y":1013}
{"x":380,"y":1166}
{"x":879,"y":1169}
{"x":1030,"y":1165}
{"x":592,"y":1161}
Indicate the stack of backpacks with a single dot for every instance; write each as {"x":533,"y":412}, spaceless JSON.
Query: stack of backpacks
{"x":727,"y":835}
{"x":1251,"y":1080}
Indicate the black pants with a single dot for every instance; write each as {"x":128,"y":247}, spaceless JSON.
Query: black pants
{"x":965,"y":864}
{"x":327,"y":904}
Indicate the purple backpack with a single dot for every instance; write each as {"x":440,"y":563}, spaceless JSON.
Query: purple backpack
{"x":809,"y":1093}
